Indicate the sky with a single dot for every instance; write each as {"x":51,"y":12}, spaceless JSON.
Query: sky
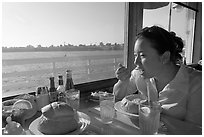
{"x":55,"y":23}
{"x":59,"y":23}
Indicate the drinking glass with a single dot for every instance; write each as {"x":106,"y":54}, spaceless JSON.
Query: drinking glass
{"x":149,"y":117}
{"x":73,"y":98}
{"x":107,"y":111}
{"x":42,"y":100}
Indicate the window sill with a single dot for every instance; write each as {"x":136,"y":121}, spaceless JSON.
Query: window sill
{"x":85,"y":88}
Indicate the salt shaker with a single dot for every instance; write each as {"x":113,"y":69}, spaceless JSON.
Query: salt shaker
{"x":42,"y":97}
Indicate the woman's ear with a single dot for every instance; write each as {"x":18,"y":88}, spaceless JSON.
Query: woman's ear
{"x":165,"y":58}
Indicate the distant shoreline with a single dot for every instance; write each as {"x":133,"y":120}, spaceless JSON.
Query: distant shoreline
{"x":65,"y":48}
{"x":58,"y":50}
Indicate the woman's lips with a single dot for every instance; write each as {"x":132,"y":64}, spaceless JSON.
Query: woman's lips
{"x":141,"y":71}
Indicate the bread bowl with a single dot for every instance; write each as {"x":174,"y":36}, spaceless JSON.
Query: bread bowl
{"x":58,"y":118}
{"x":130,"y":103}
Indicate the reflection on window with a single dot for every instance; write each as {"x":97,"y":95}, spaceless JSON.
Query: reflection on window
{"x":45,"y":39}
{"x":156,"y":14}
{"x":173,"y":17}
{"x":183,"y":23}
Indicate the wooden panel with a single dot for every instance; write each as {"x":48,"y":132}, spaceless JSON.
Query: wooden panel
{"x":133,"y":25}
{"x":91,"y":86}
{"x":197,"y":43}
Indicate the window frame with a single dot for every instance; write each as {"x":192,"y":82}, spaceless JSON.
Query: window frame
{"x":134,"y":11}
{"x":197,"y":42}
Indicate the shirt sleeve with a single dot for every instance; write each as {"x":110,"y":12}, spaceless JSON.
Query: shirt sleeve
{"x":194,"y":102}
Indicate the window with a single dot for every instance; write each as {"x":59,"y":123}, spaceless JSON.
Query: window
{"x":43,"y":39}
{"x":91,"y":58}
{"x":173,"y":17}
{"x":186,"y":19}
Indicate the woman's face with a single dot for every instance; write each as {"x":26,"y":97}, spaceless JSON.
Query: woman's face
{"x":147,"y":59}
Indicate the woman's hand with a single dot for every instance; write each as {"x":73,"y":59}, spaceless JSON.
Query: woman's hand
{"x":122,"y":73}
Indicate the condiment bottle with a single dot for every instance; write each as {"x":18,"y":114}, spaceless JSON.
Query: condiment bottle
{"x":38,"y":92}
{"x":61,"y":89}
{"x":42,"y":97}
{"x":52,"y":90}
{"x":44,"y":90}
{"x":69,"y":82}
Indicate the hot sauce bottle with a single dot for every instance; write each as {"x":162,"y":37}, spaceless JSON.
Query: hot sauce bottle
{"x":52,"y":91}
{"x":69,"y":81}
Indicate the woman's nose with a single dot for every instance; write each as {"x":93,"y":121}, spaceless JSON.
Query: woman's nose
{"x":137,"y":60}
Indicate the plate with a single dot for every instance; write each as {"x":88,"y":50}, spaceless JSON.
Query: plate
{"x":118,"y":107}
{"x":84,"y":121}
{"x":95,"y":99}
{"x":96,"y":95}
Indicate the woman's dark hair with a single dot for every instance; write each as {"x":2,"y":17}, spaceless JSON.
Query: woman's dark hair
{"x":163,"y":41}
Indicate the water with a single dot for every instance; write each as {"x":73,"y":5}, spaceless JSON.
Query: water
{"x":149,"y":120}
{"x":107,"y":110}
{"x":72,"y":98}
{"x":9,"y":83}
{"x":26,"y":55}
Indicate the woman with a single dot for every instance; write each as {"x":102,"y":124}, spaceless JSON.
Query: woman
{"x":178,"y":87}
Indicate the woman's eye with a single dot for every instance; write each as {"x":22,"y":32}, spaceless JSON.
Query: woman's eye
{"x":139,"y":55}
{"x":136,"y":55}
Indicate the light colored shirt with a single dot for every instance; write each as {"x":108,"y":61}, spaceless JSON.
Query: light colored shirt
{"x":181,"y":98}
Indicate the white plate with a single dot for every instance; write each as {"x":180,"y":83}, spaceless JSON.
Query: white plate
{"x":118,"y":107}
{"x":84,"y":121}
{"x":94,"y":99}
{"x":96,"y":95}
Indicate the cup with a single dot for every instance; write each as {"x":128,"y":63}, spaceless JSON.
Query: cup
{"x":149,"y":117}
{"x":107,"y":111}
{"x":73,"y":98}
{"x":42,"y":100}
{"x":7,"y":109}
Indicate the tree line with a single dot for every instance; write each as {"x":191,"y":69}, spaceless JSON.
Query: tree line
{"x":64,"y":47}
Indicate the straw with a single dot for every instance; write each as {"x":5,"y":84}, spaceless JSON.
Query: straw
{"x":148,"y":90}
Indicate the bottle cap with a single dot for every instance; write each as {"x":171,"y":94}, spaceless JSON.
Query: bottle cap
{"x":52,"y":78}
{"x":68,"y":71}
{"x":39,"y":89}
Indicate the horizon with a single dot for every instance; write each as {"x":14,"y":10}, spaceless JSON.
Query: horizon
{"x":64,"y":45}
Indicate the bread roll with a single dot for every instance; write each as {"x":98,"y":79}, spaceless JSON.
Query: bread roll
{"x":130,"y":107}
{"x":58,"y":118}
